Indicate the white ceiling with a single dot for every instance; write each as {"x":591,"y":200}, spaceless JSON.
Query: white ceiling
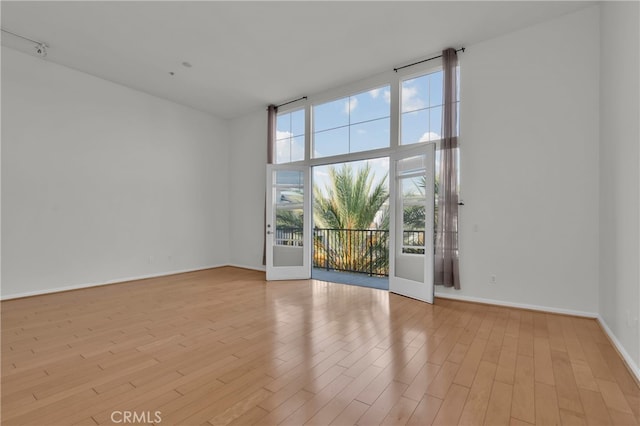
{"x":246,"y":55}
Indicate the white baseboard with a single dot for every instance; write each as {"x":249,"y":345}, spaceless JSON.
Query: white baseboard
{"x":253,"y":268}
{"x":116,"y":281}
{"x":633,"y":367}
{"x":517,"y":305}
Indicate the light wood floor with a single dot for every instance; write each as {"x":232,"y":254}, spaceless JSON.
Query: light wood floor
{"x":222,"y":347}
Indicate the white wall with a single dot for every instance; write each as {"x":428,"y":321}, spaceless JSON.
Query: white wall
{"x":529,"y":125}
{"x":529,"y":165}
{"x":619,"y":174}
{"x":248,"y":156}
{"x":102,"y":183}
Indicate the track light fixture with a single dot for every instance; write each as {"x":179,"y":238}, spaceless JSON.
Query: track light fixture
{"x":40,"y":48}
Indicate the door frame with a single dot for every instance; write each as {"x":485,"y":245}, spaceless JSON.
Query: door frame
{"x":411,"y":288}
{"x":303,"y":271}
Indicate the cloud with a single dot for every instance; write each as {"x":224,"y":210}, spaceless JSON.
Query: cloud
{"x":374,"y":93}
{"x":387,"y":96}
{"x":429,"y":136}
{"x":286,"y":149}
{"x":410,"y":99}
{"x":350,"y":105}
{"x":283,"y":135}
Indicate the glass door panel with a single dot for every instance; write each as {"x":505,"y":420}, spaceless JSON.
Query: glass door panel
{"x":412,"y":220}
{"x":288,"y":223}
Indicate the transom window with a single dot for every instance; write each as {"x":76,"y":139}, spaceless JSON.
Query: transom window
{"x":362,"y":121}
{"x":355,"y":123}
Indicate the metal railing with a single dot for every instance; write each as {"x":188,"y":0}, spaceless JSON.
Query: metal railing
{"x":364,"y":251}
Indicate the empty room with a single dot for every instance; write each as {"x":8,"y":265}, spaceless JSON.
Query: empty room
{"x":320,"y":213}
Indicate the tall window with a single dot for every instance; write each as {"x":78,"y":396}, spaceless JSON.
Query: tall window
{"x":290,"y":137}
{"x":355,"y":123}
{"x":421,"y":109}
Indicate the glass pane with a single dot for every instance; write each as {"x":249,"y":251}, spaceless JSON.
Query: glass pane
{"x":297,"y":148}
{"x":411,"y":165}
{"x":413,"y":190}
{"x":331,"y":115}
{"x":331,"y":142}
{"x":370,"y":105}
{"x":283,"y":126}
{"x":413,"y":214}
{"x":435,"y":89}
{"x":288,"y":200}
{"x":289,"y":178}
{"x":415,"y":127}
{"x":288,"y":125}
{"x":369,"y":135}
{"x":283,"y":151}
{"x":458,"y":83}
{"x":297,"y":123}
{"x":435,"y":124}
{"x":415,"y":94}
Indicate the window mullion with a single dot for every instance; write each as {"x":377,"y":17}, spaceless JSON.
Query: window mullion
{"x":307,"y":133}
{"x":394,"y":123}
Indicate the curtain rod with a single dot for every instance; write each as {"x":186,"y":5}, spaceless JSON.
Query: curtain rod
{"x":462,"y":49}
{"x":290,"y":102}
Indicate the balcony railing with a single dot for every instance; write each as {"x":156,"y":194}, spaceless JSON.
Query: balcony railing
{"x":364,"y":251}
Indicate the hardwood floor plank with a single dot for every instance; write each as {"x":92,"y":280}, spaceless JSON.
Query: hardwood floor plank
{"x":401,"y":412}
{"x":351,"y":414}
{"x":523,"y":401}
{"x":572,"y":419}
{"x":475,"y":407}
{"x":547,"y":411}
{"x":443,"y":380}
{"x":383,"y":404}
{"x":452,"y":406}
{"x":542,"y":360}
{"x":425,"y":412}
{"x":499,"y":407}
{"x":418,"y":387}
{"x":568,"y":397}
{"x":341,"y":401}
{"x":507,"y":361}
{"x":469,"y":366}
{"x":613,"y":397}
{"x":282,"y":411}
{"x":595,"y":410}
{"x":315,"y":404}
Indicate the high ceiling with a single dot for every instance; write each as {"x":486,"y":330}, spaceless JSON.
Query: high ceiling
{"x":245,"y":55}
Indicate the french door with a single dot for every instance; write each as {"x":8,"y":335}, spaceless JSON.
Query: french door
{"x":288,"y":223}
{"x":411,"y":251}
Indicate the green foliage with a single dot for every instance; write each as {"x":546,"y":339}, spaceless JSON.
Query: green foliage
{"x":352,"y":201}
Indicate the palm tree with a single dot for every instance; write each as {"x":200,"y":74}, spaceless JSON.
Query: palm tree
{"x":352,"y":201}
